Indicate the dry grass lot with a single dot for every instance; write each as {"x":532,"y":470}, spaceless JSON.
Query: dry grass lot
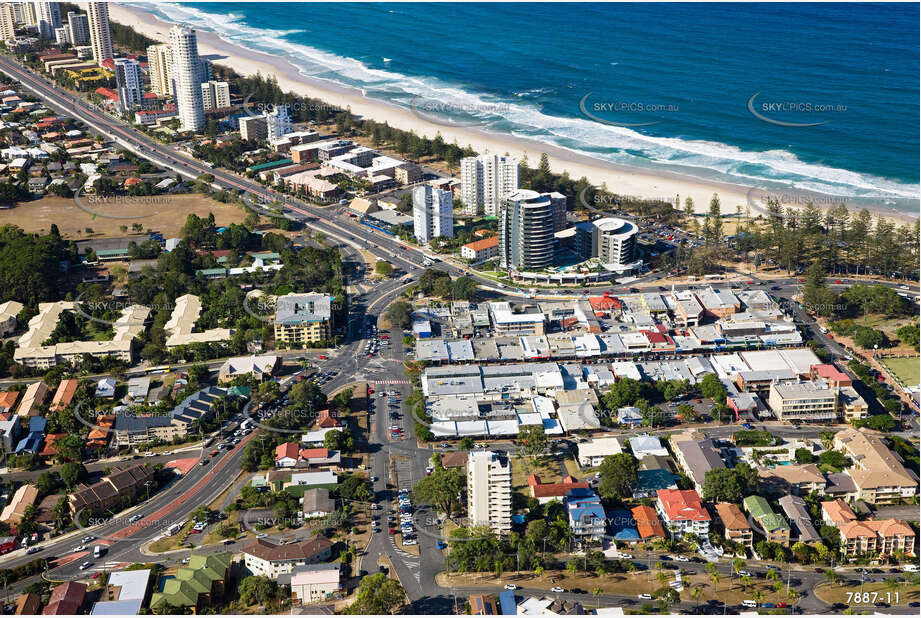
{"x":837,"y":593}
{"x":167,"y":215}
{"x":627,"y":584}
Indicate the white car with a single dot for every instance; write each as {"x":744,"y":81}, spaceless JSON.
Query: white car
{"x":744,"y":574}
{"x":79,"y":548}
{"x":682,"y":559}
{"x":86,"y":565}
{"x":645,"y":597}
{"x":511,"y":587}
{"x":557,"y":589}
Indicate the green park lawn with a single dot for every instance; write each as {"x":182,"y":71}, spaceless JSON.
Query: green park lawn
{"x":908,"y":370}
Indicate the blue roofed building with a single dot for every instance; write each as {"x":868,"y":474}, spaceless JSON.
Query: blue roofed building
{"x":37,"y":424}
{"x":623,"y":526}
{"x":507,"y":604}
{"x":198,"y":405}
{"x":648,"y":482}
{"x":586,"y":515}
{"x":30,"y":444}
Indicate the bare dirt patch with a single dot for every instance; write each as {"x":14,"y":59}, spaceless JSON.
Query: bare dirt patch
{"x":167,"y":215}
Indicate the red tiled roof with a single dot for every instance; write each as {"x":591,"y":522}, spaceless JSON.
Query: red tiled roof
{"x":326,"y":420}
{"x":647,"y":522}
{"x":604,"y":303}
{"x":682,"y":504}
{"x":286,"y":450}
{"x":107,"y":93}
{"x":50,"y":449}
{"x":314,"y":453}
{"x":486,"y":243}
{"x":552,"y":490}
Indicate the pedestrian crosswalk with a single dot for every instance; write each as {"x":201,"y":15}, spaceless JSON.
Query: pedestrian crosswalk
{"x":390,"y":382}
{"x":411,"y":562}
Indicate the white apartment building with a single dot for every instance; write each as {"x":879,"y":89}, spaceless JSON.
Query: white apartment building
{"x":100,"y":32}
{"x":129,"y":82}
{"x":489,"y":490}
{"x":526,"y":231}
{"x":62,"y":36}
{"x":485,"y":181}
{"x":278,"y":123}
{"x":432,"y":213}
{"x":804,"y":401}
{"x":49,"y":18}
{"x":78,"y":28}
{"x":186,"y":77}
{"x":160,"y":69}
{"x":215,"y":95}
{"x":7,"y":21}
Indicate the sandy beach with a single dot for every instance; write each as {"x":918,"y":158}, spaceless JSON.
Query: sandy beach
{"x":618,"y":179}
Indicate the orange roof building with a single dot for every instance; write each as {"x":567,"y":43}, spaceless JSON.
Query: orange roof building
{"x":326,"y":420}
{"x":480,"y":250}
{"x":877,"y":537}
{"x":837,"y":513}
{"x":647,"y":522}
{"x":8,"y":400}
{"x":545,"y":492}
{"x":735,"y":523}
{"x":64,"y":395}
{"x":51,"y":449}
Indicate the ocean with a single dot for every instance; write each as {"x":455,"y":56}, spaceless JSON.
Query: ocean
{"x":816,"y":97}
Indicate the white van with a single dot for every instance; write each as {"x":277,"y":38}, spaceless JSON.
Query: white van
{"x":749,"y":603}
{"x":910,"y":568}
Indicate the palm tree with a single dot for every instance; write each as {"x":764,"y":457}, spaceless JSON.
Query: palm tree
{"x":772,"y":575}
{"x":759,"y":596}
{"x":893,"y":584}
{"x":831,"y":576}
{"x":745,"y":581}
{"x":662,"y":576}
{"x":596,"y":592}
{"x":571,"y":567}
{"x":696,"y":593}
{"x":538,"y":571}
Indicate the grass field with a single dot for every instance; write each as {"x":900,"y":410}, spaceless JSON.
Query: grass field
{"x":908,"y":370}
{"x":166,"y":214}
{"x":880,"y":591}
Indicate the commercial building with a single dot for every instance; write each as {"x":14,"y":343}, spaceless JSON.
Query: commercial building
{"x":879,"y":476}
{"x":303,"y":318}
{"x":129,"y":82}
{"x":100,"y":31}
{"x":681,"y":511}
{"x":433,"y":216}
{"x":186,"y":75}
{"x":315,"y":582}
{"x":804,"y":401}
{"x":489,"y":490}
{"x":775,"y":527}
{"x":481,"y":250}
{"x":263,"y":557}
{"x":526,"y":231}
{"x":735,"y":525}
{"x":486,"y":180}
{"x":215,"y":95}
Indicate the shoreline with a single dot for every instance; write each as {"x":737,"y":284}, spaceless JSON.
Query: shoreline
{"x":619,"y":179}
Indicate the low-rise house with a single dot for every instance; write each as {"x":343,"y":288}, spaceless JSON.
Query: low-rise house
{"x":593,"y":452}
{"x":682,"y":511}
{"x":630,"y":415}
{"x":775,"y":528}
{"x":646,"y":445}
{"x":22,"y":499}
{"x":483,"y":605}
{"x":63,"y":395}
{"x":27,"y":604}
{"x":795,"y":510}
{"x":545,"y":492}
{"x":259,"y":367}
{"x":317,"y":503}
{"x":647,"y":522}
{"x":8,"y":401}
{"x":124,"y":593}
{"x":105,"y":388}
{"x":315,"y":582}
{"x":877,"y":537}
{"x":324,"y":478}
{"x":263,"y":557}
{"x":65,"y":599}
{"x":35,"y":395}
{"x":735,"y":524}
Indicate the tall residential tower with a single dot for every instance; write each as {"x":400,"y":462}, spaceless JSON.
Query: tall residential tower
{"x":526,"y":228}
{"x":186,"y":76}
{"x":489,"y":490}
{"x":432,"y":213}
{"x":485,"y":181}
{"x":100,"y":31}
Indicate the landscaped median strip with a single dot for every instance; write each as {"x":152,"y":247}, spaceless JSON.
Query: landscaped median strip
{"x":173,"y":505}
